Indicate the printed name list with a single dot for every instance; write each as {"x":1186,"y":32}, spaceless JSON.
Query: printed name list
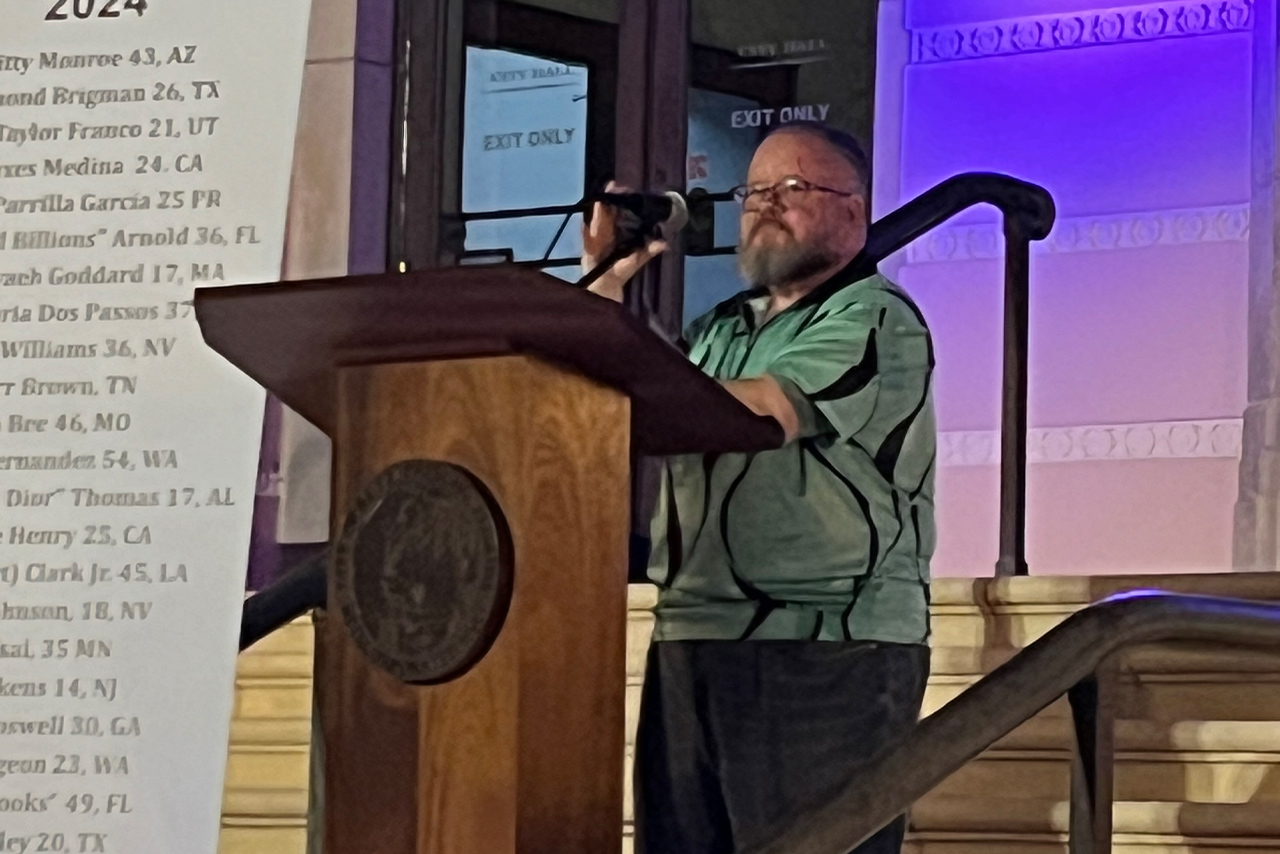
{"x":145,"y":150}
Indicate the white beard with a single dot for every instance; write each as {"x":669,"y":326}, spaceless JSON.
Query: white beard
{"x":772,"y":266}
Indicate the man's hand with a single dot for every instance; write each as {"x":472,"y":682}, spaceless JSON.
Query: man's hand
{"x":764,"y":396}
{"x":598,"y":238}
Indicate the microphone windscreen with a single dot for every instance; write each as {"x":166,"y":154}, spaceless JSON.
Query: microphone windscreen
{"x":679,"y":213}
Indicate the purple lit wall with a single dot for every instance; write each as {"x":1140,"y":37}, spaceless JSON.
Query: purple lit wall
{"x":1137,"y":120}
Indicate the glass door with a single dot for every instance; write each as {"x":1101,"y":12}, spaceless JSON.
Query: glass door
{"x":506,"y":119}
{"x":539,"y":90}
{"x":523,"y":150}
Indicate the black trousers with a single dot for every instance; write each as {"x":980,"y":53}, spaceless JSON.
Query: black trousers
{"x":735,"y":735}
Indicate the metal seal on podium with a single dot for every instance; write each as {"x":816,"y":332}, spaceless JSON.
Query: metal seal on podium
{"x":424,"y":571}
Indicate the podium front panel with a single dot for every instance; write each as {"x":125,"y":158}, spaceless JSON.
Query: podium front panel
{"x":524,"y":751}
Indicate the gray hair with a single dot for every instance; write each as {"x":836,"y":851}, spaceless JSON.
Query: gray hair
{"x":845,"y":144}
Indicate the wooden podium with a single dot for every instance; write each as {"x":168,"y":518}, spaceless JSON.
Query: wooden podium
{"x":471,"y":670}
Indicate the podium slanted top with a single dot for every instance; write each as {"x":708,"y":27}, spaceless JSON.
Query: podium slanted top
{"x":290,"y":337}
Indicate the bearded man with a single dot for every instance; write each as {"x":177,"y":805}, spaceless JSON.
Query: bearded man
{"x":791,"y":629}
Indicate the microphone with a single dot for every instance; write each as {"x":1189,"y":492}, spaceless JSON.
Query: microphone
{"x":646,"y":215}
{"x":667,"y":211}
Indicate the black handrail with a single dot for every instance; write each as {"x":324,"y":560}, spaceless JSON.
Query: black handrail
{"x":295,"y":593}
{"x":1028,"y":206}
{"x":1064,"y":661}
{"x":1028,"y":212}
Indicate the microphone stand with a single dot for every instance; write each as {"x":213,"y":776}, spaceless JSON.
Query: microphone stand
{"x":623,"y":248}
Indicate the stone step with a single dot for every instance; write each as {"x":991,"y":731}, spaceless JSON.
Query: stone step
{"x":263,"y":836}
{"x":1220,"y":762}
{"x":1009,"y":613}
{"x":1158,"y":659}
{"x":997,"y":595}
{"x":1163,"y":702}
{"x":1013,"y":843}
{"x":1199,"y":778}
{"x":266,"y":780}
{"x":1171,"y":726}
{"x":264,"y":800}
{"x":974,"y":825}
{"x":977,"y":813}
{"x":1055,"y":732}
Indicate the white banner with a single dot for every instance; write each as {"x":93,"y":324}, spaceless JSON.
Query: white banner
{"x":145,"y":149}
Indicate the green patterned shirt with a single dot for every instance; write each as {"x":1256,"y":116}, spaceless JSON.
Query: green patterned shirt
{"x":830,"y":536}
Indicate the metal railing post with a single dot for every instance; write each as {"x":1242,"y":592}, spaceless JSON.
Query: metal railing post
{"x":1028,"y":213}
{"x":1093,"y":766}
{"x":1013,"y":404}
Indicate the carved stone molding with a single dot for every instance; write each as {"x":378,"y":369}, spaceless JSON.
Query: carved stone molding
{"x":1090,"y":234}
{"x":1150,"y":441}
{"x":1116,"y":25}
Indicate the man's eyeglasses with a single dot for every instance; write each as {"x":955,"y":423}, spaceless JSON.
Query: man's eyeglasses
{"x":784,"y":193}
